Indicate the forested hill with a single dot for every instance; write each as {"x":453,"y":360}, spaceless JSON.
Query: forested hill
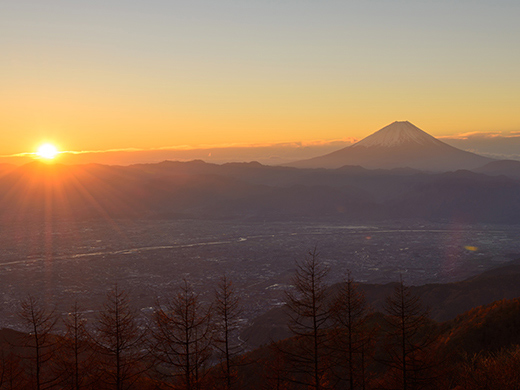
{"x":478,"y":349}
{"x":445,"y":301}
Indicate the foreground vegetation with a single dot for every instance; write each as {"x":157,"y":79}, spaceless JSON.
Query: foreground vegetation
{"x":337,"y":342}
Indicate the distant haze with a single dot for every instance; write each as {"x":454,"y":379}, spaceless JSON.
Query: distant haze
{"x":268,"y":154}
{"x":497,"y":145}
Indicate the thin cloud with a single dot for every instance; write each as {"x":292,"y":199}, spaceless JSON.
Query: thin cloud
{"x":25,"y":154}
{"x":295,"y":144}
{"x":267,"y":153}
{"x":495,"y":144}
{"x":345,"y":141}
{"x":101,"y":151}
{"x":482,"y":135}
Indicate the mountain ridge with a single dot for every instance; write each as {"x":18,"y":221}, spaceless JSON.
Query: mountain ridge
{"x":398,"y":145}
{"x":202,"y":190}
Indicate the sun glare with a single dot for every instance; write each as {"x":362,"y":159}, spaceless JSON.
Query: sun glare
{"x":47,"y":151}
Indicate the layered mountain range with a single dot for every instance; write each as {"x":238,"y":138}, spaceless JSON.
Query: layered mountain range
{"x":417,"y":176}
{"x":398,"y":145}
{"x":250,"y":190}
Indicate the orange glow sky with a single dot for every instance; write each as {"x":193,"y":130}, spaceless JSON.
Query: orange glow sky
{"x":145,"y":75}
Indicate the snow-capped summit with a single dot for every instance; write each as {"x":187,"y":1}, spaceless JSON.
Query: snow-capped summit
{"x":398,"y":133}
{"x":398,"y":145}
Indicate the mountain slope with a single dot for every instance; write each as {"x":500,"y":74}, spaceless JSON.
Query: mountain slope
{"x":198,"y":190}
{"x":446,"y":301}
{"x":509,"y":168}
{"x":398,"y":145}
{"x":488,"y":327}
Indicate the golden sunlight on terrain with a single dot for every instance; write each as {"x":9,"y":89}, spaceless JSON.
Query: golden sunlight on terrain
{"x":47,"y":151}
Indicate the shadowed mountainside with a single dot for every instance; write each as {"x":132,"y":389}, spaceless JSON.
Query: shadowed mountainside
{"x":250,"y":190}
{"x":446,"y":301}
{"x":509,"y":168}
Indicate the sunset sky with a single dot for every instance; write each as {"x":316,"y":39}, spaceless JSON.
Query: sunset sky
{"x":112,"y":75}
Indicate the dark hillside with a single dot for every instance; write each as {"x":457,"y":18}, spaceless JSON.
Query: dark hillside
{"x":249,"y":190}
{"x":446,"y":301}
{"x":487,"y":328}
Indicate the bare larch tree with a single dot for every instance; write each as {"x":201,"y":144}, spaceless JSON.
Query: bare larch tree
{"x":351,"y":337}
{"x":40,"y":342}
{"x":76,"y":361}
{"x":409,"y":345}
{"x":226,"y":318}
{"x":183,"y":338}
{"x":308,"y":310}
{"x":120,"y":342}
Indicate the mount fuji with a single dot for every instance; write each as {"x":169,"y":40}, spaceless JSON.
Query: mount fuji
{"x":398,"y":145}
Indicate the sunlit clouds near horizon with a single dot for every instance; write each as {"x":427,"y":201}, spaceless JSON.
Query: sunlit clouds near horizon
{"x":498,"y":145}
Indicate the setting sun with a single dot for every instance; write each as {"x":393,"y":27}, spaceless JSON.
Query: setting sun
{"x":47,"y":151}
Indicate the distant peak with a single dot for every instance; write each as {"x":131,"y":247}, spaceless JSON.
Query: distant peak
{"x":398,"y":133}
